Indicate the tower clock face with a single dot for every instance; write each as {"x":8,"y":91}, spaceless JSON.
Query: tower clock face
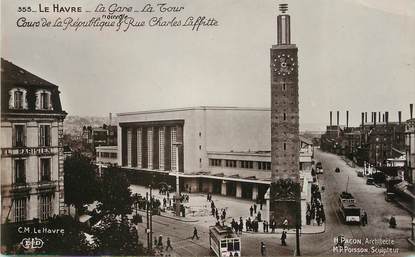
{"x":283,"y":64}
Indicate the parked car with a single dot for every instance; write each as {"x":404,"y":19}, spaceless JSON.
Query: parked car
{"x":370,"y":180}
{"x":337,"y":170}
{"x":389,"y":196}
{"x":360,"y":173}
{"x":319,"y":168}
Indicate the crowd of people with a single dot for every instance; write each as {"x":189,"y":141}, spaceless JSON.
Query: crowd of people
{"x":315,"y":211}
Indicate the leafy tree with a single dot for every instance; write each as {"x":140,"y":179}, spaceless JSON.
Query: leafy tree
{"x":80,"y":180}
{"x":115,"y":197}
{"x":71,"y":242}
{"x":116,"y":235}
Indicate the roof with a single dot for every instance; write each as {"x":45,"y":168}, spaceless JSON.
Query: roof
{"x":197,"y":108}
{"x":13,"y":76}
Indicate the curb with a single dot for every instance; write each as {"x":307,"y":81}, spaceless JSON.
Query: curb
{"x":289,"y":232}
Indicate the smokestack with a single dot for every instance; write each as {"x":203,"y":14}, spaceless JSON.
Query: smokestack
{"x":347,"y":119}
{"x":363,"y":119}
{"x":411,"y":110}
{"x":338,"y":115}
{"x":379,"y":117}
{"x":399,"y":117}
{"x":387,"y":117}
{"x":383,"y":117}
{"x":331,"y":118}
{"x":110,"y":119}
{"x":374,"y":118}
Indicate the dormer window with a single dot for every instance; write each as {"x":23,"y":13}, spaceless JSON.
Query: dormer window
{"x":43,"y":101}
{"x":17,"y":99}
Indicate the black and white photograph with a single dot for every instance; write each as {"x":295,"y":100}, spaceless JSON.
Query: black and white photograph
{"x":207,"y":128}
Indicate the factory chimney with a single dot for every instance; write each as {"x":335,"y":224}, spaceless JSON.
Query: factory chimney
{"x":331,"y":118}
{"x":411,"y":110}
{"x":374,"y":118}
{"x":338,"y":115}
{"x":387,"y":117}
{"x":363,"y":119}
{"x":379,"y":117}
{"x":399,"y":117}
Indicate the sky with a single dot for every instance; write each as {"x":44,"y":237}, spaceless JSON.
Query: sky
{"x":355,"y":55}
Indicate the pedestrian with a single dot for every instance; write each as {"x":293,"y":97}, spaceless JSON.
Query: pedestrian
{"x":255,"y":208}
{"x":392,"y":222}
{"x":273,"y":225}
{"x":285,"y":224}
{"x":168,"y":244}
{"x":164,"y":202}
{"x":283,"y":237}
{"x":364,"y":218}
{"x":263,"y":249}
{"x":224,"y":214}
{"x":264,"y":226}
{"x":195,"y":233}
{"x":160,"y":241}
{"x":155,"y":241}
{"x":241,"y":227}
{"x":260,"y":204}
{"x":259,"y":216}
{"x":251,"y":211}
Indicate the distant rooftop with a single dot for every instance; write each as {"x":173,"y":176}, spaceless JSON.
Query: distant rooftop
{"x":197,"y":108}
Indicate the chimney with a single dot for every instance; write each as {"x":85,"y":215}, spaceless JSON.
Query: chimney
{"x":379,"y":117}
{"x":411,"y":110}
{"x":347,"y":119}
{"x":365,"y":117}
{"x":338,"y":115}
{"x":110,"y":119}
{"x":374,"y":118}
{"x":383,"y":117}
{"x":399,"y":117}
{"x":331,"y":118}
{"x":387,"y":117}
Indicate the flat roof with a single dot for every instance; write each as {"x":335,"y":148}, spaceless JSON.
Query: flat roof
{"x":227,"y":108}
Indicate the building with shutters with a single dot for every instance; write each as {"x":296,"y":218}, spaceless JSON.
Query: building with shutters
{"x":31,"y":146}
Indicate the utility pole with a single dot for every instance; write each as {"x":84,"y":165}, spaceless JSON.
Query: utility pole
{"x":297,"y":228}
{"x":151,"y":218}
{"x":148,"y":225}
{"x":177,"y":145}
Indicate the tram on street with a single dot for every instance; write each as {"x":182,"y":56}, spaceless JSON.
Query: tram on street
{"x":348,"y":208}
{"x":224,"y":242}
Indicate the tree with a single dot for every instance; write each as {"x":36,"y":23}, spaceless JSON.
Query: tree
{"x":115,"y":197}
{"x":80,"y":180}
{"x":116,"y":235}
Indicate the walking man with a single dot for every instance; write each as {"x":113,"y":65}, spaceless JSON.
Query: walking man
{"x":195,"y":233}
{"x":251,"y":211}
{"x":283,"y":237}
{"x":255,"y":208}
{"x":168,"y":244}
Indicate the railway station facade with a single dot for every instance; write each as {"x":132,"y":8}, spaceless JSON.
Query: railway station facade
{"x":220,"y":150}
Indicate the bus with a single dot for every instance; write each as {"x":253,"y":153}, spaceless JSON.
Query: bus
{"x":224,"y":242}
{"x":348,"y":208}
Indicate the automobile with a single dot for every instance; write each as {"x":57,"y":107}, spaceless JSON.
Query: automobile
{"x":360,"y":173}
{"x":319,"y":168}
{"x":337,"y":170}
{"x":389,"y":196}
{"x":370,"y":180}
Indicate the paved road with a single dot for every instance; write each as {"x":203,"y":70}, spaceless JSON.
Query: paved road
{"x":369,"y":197}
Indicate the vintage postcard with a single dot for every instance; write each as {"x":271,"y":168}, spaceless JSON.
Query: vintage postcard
{"x":208,"y":128}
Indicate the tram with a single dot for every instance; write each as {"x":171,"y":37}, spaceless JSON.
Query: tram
{"x":224,"y":242}
{"x":348,"y":208}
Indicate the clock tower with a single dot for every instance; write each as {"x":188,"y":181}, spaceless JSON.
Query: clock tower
{"x":285,"y":189}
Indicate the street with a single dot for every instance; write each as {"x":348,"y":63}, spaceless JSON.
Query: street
{"x":369,"y":197}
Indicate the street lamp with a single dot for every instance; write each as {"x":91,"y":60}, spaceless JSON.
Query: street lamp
{"x":177,"y":144}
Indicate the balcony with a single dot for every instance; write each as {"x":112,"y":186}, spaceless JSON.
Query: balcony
{"x":20,"y":188}
{"x":46,"y":186}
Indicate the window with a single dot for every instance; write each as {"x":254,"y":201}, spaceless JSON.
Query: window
{"x":264,"y":165}
{"x":161,"y":149}
{"x":18,"y":99}
{"x":44,"y":101}
{"x":215,"y":162}
{"x":230,"y":163}
{"x":20,"y":212}
{"x":150,"y":148}
{"x":45,"y":207}
{"x":247,"y":164}
{"x":45,"y":169}
{"x":44,"y":135}
{"x":285,"y":116}
{"x":283,"y":87}
{"x":285,"y":146}
{"x":200,"y":147}
{"x":19,"y":135}
{"x":19,"y":172}
{"x":173,"y":148}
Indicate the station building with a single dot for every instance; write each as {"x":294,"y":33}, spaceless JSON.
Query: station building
{"x":221,"y":150}
{"x":31,"y":146}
